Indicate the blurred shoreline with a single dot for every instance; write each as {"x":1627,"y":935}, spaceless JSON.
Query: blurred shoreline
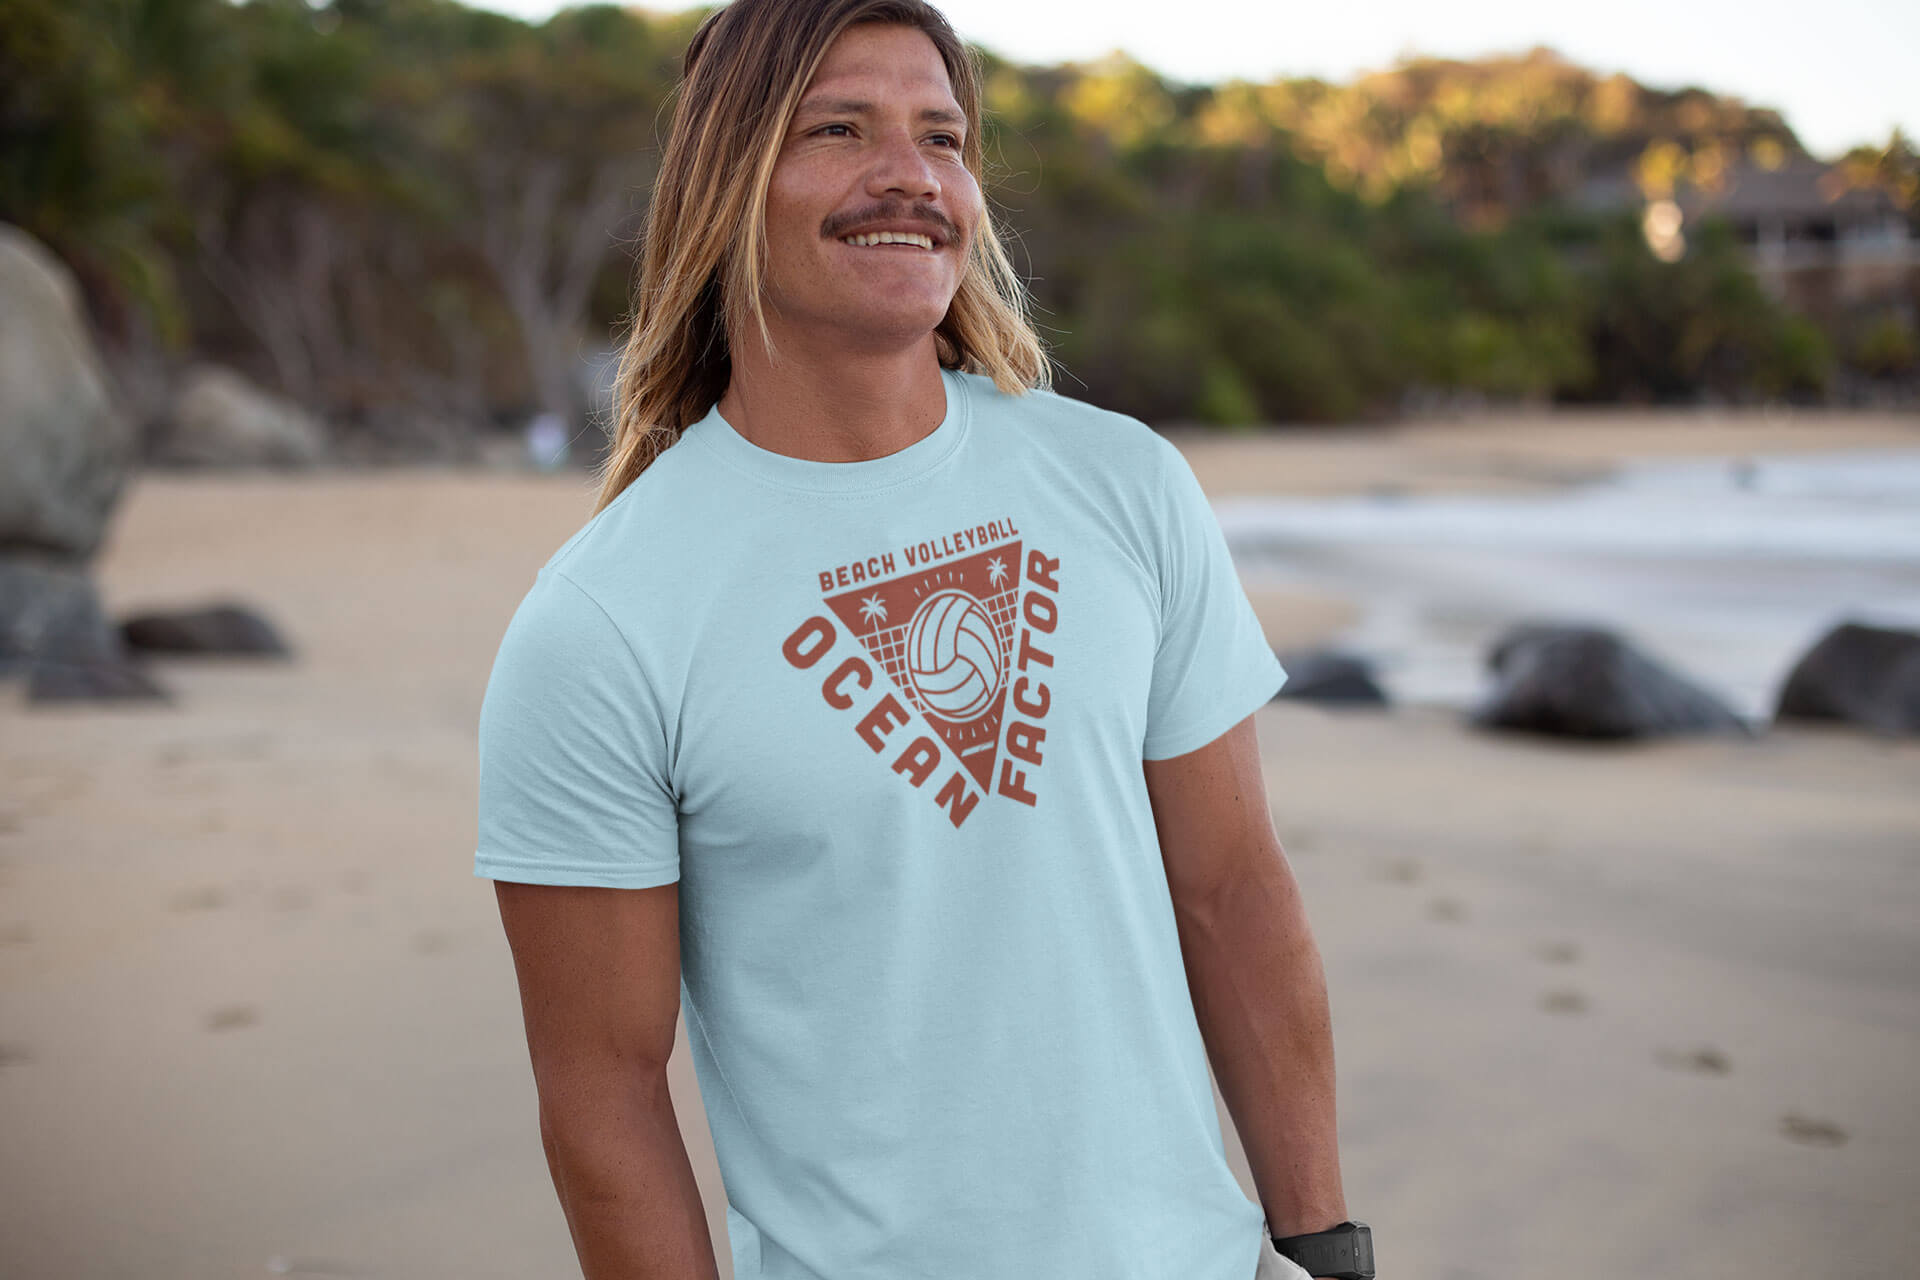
{"x":1514,"y":450}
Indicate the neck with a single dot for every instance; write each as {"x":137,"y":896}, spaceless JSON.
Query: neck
{"x":825,"y":403}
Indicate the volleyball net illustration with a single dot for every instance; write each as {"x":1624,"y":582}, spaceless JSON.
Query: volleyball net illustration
{"x":944,"y":634}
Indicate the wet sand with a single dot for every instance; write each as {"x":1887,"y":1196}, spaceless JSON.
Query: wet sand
{"x":1598,"y":1012}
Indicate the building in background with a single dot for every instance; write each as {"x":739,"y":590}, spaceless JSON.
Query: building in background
{"x":1817,"y":241}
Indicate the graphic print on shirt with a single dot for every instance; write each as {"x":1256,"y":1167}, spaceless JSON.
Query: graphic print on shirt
{"x":944,"y":635}
{"x":957,"y":635}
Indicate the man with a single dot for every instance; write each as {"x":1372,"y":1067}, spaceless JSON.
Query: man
{"x":892,"y":718}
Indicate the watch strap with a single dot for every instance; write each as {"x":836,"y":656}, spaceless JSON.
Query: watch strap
{"x":1345,"y":1251}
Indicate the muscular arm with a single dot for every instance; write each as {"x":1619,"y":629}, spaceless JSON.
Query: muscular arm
{"x":599,"y":973}
{"x":1259,"y":991}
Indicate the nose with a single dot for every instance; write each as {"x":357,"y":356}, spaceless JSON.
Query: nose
{"x":900,"y":168}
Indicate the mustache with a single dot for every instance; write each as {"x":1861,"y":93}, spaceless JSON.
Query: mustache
{"x":840,"y":224}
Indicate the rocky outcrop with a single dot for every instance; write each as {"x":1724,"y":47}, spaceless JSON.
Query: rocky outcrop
{"x":53,"y":633}
{"x":1860,"y":675}
{"x":67,"y":451}
{"x":1326,"y":675}
{"x":1586,"y":682}
{"x":220,"y":419}
{"x":65,"y":454}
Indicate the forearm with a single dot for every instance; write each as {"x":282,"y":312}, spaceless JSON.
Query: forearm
{"x":627,"y":1188}
{"x":1260,"y":996}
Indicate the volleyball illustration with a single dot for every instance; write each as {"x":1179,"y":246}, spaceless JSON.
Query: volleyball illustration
{"x":953,"y":655}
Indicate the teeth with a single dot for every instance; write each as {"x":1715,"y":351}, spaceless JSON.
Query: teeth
{"x":891,"y":237}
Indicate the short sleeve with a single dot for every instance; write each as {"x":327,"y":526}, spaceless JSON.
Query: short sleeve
{"x":1212,"y":667}
{"x":574,"y":785}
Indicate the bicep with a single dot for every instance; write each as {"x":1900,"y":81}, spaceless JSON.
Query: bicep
{"x":1210,"y":809}
{"x":599,"y":975}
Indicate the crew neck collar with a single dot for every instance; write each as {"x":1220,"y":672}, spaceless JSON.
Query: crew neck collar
{"x":809,"y":475}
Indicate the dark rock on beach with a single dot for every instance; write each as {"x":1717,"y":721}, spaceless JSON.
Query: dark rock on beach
{"x":1327,"y":675}
{"x":91,"y":682}
{"x":1586,"y":682}
{"x":52,"y":631}
{"x":68,"y":452}
{"x":1857,"y":674}
{"x":211,"y":629}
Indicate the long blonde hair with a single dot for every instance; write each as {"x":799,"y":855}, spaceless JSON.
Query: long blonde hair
{"x":704,"y":251}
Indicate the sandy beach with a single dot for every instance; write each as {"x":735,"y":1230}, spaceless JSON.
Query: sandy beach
{"x":1598,"y":1012}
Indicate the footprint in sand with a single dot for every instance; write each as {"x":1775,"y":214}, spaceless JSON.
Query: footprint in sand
{"x":1558,"y":952}
{"x":232,"y":1016}
{"x":1401,"y":870}
{"x":280,"y":1265}
{"x":9,"y":822}
{"x":1811,"y":1132}
{"x":1446,"y":909}
{"x":430,"y":942}
{"x":12,"y":1055}
{"x":1564,"y":1000}
{"x":206,"y":898}
{"x":291,"y":898}
{"x":1705,"y":1060}
{"x":17,"y":934}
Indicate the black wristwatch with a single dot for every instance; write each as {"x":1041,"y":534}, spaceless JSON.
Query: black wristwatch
{"x":1344,"y":1252}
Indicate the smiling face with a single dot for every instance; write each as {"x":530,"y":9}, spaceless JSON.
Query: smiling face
{"x":871,"y":210}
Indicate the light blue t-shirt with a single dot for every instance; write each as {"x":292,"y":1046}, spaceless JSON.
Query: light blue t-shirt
{"x":884,"y":722}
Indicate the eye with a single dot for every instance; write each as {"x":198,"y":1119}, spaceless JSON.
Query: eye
{"x":945,"y":140}
{"x":825,"y":129}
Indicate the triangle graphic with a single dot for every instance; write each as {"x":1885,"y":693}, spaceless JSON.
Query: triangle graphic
{"x":944,"y":636}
